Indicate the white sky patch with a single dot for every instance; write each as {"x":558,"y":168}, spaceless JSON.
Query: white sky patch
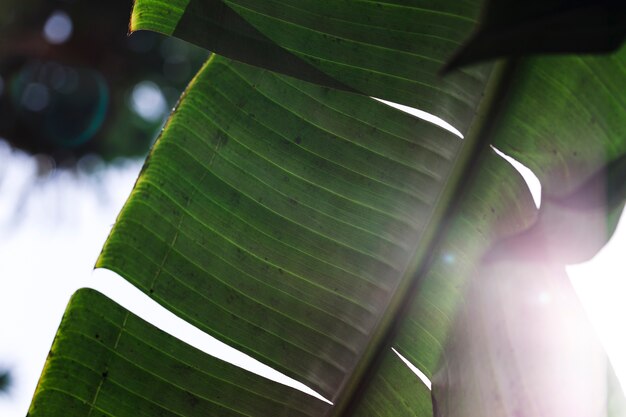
{"x":48,"y":247}
{"x":422,"y":115}
{"x":416,"y":371}
{"x":534,"y":185}
{"x":601,"y":286}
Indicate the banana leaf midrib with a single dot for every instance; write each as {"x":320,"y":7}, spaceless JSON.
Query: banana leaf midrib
{"x":475,"y":142}
{"x":430,"y":231}
{"x":473,"y":145}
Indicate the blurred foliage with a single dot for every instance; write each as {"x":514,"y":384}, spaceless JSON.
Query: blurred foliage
{"x":5,"y":381}
{"x":69,"y":74}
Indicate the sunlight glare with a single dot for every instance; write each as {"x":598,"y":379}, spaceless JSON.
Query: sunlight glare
{"x":545,"y":297}
{"x":601,"y":286}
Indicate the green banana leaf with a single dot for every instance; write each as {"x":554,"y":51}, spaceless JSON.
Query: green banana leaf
{"x":314,"y":228}
{"x":386,"y":49}
{"x":544,"y":26}
{"x":105,"y":354}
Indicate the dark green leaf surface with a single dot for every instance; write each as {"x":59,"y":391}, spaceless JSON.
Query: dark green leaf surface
{"x":386,"y":49}
{"x":516,"y":28}
{"x":105,"y":361}
{"x":275,"y":215}
{"x":395,"y":391}
{"x":565,"y":118}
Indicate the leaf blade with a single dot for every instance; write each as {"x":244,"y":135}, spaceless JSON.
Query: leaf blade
{"x":389,"y":50}
{"x":227,"y":211}
{"x":107,"y":361}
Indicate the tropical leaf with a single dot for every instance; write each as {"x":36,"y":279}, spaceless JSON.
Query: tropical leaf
{"x":496,"y":205}
{"x":105,"y":361}
{"x":386,"y":49}
{"x":298,"y":217}
{"x":579,"y":149}
{"x":314,"y":228}
{"x":544,"y":26}
{"x":573,"y":228}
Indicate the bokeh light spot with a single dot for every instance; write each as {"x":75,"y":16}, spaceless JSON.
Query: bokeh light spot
{"x":35,"y":97}
{"x":147,"y":101}
{"x":58,"y":28}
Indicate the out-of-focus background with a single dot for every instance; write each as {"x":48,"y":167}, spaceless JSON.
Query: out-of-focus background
{"x":75,"y":90}
{"x":80,"y":105}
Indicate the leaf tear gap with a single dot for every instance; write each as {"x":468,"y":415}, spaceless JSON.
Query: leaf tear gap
{"x":421,"y":114}
{"x":415,"y":370}
{"x":134,"y":300}
{"x":533,"y":183}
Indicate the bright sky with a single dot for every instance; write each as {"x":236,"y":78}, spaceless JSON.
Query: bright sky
{"x":49,"y":243}
{"x":51,"y":235}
